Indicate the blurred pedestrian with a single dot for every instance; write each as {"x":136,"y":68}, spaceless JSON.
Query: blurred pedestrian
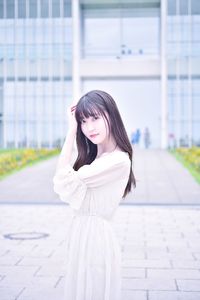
{"x":137,"y":136}
{"x":147,"y":140}
{"x":132,"y":137}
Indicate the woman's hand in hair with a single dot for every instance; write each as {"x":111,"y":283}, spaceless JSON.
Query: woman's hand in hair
{"x":71,"y":118}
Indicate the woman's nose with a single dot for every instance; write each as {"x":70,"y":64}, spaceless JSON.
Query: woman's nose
{"x":90,"y":126}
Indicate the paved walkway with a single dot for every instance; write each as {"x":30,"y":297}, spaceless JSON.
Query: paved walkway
{"x":30,"y":185}
{"x":161,"y":252}
{"x":160,"y":179}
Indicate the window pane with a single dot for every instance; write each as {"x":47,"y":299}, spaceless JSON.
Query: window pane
{"x":55,"y":8}
{"x":183,"y":7}
{"x":10,"y":9}
{"x":171,"y":7}
{"x":33,"y":9}
{"x":1,"y":9}
{"x":44,"y":5}
{"x":195,"y":7}
{"x":67,"y":8}
{"x":21,"y":9}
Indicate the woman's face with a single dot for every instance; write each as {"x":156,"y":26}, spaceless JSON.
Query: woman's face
{"x":95,"y":128}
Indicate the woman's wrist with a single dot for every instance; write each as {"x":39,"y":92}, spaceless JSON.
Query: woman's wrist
{"x":72,"y":131}
{"x":67,"y":148}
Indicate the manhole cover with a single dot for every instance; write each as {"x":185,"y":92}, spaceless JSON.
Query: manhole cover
{"x":26,"y":235}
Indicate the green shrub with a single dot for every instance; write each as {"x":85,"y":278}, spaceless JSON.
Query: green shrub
{"x":191,"y":155}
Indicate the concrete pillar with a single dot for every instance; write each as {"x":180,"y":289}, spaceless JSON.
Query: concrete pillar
{"x":190,"y":106}
{"x":75,"y":51}
{"x":164,"y":96}
{"x":178,"y":80}
{"x":5,"y":119}
{"x":16,"y":74}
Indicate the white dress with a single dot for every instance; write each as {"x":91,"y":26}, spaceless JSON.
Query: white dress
{"x":94,"y":255}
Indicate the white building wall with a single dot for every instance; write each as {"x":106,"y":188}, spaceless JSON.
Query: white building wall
{"x":138,"y":102}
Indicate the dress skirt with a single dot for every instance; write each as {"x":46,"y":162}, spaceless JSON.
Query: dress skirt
{"x":93,"y":266}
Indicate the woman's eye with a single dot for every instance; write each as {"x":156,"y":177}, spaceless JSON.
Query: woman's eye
{"x":96,"y":117}
{"x":83,"y":121}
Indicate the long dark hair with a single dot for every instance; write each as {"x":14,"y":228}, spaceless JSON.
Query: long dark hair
{"x":100,"y":102}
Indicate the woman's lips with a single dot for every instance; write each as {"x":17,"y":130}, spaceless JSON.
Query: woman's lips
{"x":93,"y":135}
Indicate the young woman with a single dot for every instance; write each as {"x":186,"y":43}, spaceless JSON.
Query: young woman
{"x":100,"y":177}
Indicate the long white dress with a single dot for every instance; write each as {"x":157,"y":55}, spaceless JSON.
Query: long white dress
{"x":94,"y":254}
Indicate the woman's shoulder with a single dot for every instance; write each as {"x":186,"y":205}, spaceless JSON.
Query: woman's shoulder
{"x":121,"y":155}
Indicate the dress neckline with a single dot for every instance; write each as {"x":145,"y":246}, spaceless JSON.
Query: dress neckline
{"x":107,"y":153}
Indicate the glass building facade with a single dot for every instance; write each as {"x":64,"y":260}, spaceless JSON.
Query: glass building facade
{"x":35,"y":72}
{"x":184,"y":71}
{"x":36,"y":59}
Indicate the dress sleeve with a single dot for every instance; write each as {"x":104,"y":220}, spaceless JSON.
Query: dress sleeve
{"x":105,"y":170}
{"x":70,"y":188}
{"x":72,"y":185}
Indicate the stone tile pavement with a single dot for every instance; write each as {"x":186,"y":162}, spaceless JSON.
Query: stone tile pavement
{"x":160,"y":251}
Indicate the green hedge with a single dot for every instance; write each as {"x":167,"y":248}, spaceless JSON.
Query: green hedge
{"x":15,"y":159}
{"x":190,"y":158}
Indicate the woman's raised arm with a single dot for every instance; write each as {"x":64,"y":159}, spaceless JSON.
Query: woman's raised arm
{"x":67,"y":149}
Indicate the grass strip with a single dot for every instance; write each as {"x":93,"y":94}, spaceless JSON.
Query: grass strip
{"x":187,"y":165}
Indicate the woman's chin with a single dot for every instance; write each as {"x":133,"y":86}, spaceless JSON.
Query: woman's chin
{"x":95,"y":140}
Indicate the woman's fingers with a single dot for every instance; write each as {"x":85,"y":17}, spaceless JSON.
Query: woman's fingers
{"x":73,"y":108}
